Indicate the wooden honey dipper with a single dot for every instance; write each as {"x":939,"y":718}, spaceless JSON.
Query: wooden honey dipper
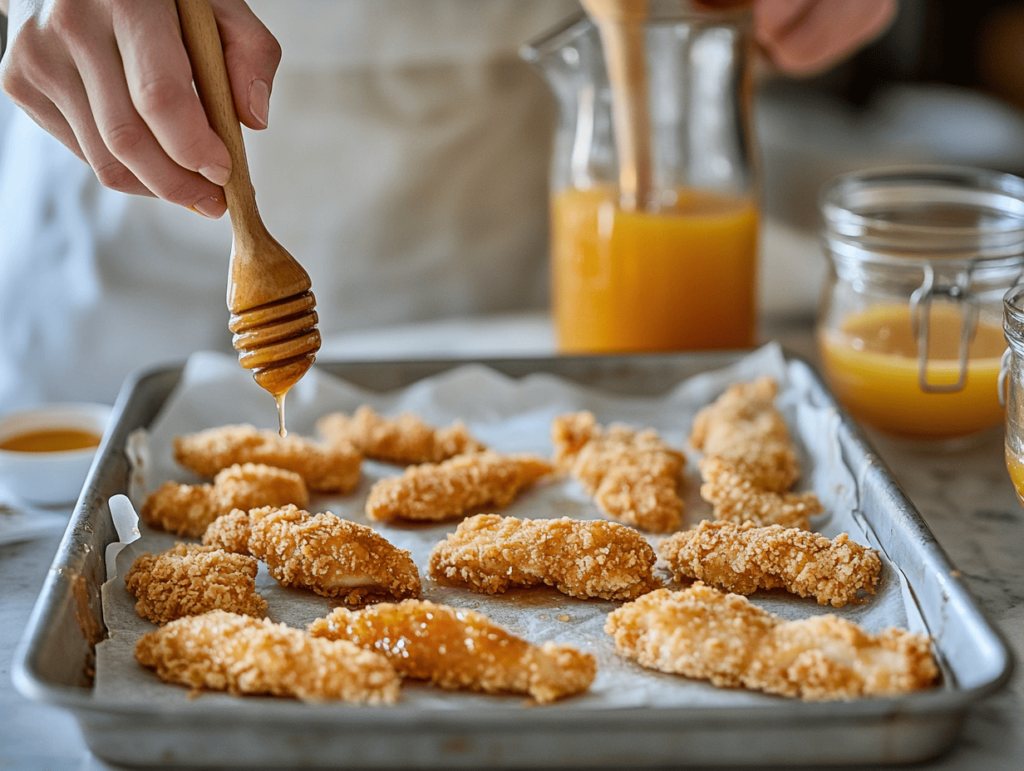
{"x":273,"y":314}
{"x":621,"y":25}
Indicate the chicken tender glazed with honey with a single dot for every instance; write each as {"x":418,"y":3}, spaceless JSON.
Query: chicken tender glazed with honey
{"x":228,"y":652}
{"x":706,"y":634}
{"x":403,"y":440}
{"x":745,"y":558}
{"x":190,"y":579}
{"x":633,"y":476}
{"x":460,"y":649}
{"x":187,"y":510}
{"x":326,"y":468}
{"x":330,"y":556}
{"x":448,"y":490}
{"x":490,"y":553}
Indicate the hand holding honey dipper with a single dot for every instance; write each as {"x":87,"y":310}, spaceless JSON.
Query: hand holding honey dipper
{"x":272,"y":307}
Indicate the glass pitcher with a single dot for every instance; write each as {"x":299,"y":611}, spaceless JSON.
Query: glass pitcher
{"x":677,"y":270}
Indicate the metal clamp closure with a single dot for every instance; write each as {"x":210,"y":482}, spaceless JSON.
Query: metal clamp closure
{"x":920,"y":310}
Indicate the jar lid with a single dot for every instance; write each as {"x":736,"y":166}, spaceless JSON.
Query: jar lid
{"x":924,"y":214}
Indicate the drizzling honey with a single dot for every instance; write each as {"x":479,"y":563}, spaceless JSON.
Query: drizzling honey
{"x":272,"y":308}
{"x":51,"y":440}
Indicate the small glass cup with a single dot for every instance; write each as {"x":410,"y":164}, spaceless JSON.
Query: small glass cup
{"x":1011,"y":386}
{"x":909,"y":330}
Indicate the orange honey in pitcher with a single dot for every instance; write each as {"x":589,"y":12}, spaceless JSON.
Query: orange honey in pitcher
{"x":681,"y":278}
{"x":870,"y":361}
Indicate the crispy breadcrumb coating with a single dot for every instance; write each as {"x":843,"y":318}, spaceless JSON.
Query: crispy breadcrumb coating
{"x":745,"y":430}
{"x":633,"y":476}
{"x":702,"y":633}
{"x":329,"y":468}
{"x":454,"y":487}
{"x":735,"y":499}
{"x":460,"y":649}
{"x":230,"y":532}
{"x":331,"y":556}
{"x":228,"y":652}
{"x":188,"y":510}
{"x":191,"y":579}
{"x":403,"y":440}
{"x":745,"y":558}
{"x":490,"y":553}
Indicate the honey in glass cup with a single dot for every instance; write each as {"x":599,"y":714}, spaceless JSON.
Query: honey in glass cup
{"x":676,"y":270}
{"x":1011,"y":386}
{"x":910,"y":326}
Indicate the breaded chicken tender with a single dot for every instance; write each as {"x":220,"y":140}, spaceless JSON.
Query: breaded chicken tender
{"x":228,"y":652}
{"x":702,"y":633}
{"x":745,"y":430}
{"x":450,"y":489}
{"x":735,"y":499}
{"x":187,"y":510}
{"x":230,"y":532}
{"x":745,"y":558}
{"x":633,"y":476}
{"x":328,"y":468}
{"x":403,"y":440}
{"x":191,"y":579}
{"x":460,"y":649}
{"x":331,"y":556}
{"x":490,"y":553}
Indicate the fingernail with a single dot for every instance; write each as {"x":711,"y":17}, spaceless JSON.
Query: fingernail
{"x":217,"y":174}
{"x":259,"y":101}
{"x":209,"y":207}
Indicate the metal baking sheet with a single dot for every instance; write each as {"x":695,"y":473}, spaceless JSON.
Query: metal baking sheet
{"x":55,"y":659}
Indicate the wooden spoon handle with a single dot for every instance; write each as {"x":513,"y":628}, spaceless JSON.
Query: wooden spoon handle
{"x":621,"y":24}
{"x":206,"y":52}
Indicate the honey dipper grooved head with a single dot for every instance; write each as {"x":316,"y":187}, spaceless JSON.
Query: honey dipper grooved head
{"x":277,"y":341}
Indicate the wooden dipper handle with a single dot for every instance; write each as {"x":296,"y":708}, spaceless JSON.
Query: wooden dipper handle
{"x":261,"y":270}
{"x":621,"y":24}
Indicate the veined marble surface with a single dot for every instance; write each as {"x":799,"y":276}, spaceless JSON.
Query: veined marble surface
{"x":964,"y":495}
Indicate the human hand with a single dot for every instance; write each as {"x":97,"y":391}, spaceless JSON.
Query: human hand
{"x":112,"y":81}
{"x":804,"y":37}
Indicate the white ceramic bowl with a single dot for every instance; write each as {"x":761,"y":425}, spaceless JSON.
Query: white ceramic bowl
{"x":52,"y":477}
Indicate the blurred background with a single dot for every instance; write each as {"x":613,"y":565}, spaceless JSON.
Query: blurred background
{"x":944,"y":84}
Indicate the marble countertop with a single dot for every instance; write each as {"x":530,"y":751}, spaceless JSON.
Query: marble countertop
{"x":964,"y":494}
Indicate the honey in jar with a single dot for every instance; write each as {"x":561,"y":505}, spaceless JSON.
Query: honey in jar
{"x":681,"y":278}
{"x":872,"y":364}
{"x":909,"y":331}
{"x":51,"y":440}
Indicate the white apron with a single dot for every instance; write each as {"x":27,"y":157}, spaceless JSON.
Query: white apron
{"x":405,"y":166}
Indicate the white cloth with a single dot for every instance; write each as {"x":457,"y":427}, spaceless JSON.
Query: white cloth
{"x":405,"y":167}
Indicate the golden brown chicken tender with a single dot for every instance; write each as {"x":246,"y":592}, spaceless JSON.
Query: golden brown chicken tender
{"x":450,"y":489}
{"x":745,"y":430}
{"x":331,"y":556}
{"x":190,"y":579}
{"x":460,"y":650}
{"x":633,"y":476}
{"x":745,"y":558}
{"x":228,"y":652}
{"x":328,"y":468}
{"x":735,"y":499}
{"x":230,"y":532}
{"x":403,"y":440}
{"x":187,"y":510}
{"x":702,"y":633}
{"x":490,"y":553}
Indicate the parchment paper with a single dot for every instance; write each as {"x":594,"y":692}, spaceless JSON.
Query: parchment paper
{"x":510,"y":416}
